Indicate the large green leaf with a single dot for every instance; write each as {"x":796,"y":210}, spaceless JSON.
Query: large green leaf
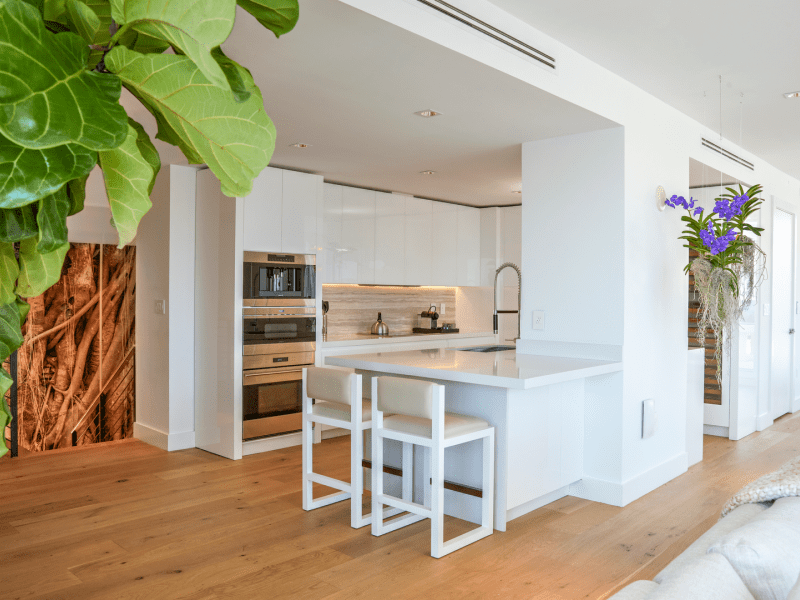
{"x":52,"y":220}
{"x":148,"y":151}
{"x":5,"y":413}
{"x":48,"y":97}
{"x":76,"y":191}
{"x":279,"y":16}
{"x":9,"y":271}
{"x":17,"y":224}
{"x":235,"y":140}
{"x":234,"y":72}
{"x":192,"y":26}
{"x":128,"y":177}
{"x":11,"y":318}
{"x":38,"y":271}
{"x":26,"y":175}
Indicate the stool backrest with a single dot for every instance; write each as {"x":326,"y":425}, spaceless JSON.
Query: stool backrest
{"x":332,"y":385}
{"x":409,"y":397}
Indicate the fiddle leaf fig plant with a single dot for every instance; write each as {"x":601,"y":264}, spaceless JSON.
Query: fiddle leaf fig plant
{"x":63,"y":64}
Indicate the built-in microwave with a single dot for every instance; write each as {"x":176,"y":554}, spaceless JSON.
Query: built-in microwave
{"x":269,"y":275}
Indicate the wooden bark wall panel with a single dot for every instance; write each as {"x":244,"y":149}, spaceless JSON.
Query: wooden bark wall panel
{"x":76,"y":366}
{"x":712,"y":392}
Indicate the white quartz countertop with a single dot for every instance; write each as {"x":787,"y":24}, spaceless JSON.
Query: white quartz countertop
{"x":364,"y":339}
{"x":505,"y":369}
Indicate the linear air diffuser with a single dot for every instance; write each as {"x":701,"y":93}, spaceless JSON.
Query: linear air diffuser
{"x":728,"y":155}
{"x":488,"y":30}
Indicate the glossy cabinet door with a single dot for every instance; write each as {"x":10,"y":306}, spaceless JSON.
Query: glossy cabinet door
{"x":262,"y":213}
{"x":332,"y":233}
{"x":299,"y":212}
{"x":390,"y":248}
{"x":469,"y":246}
{"x":444,"y":244}
{"x":418,"y":242}
{"x":358,"y":235}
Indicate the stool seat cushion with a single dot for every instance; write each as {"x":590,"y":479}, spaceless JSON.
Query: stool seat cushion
{"x":336,"y":410}
{"x":454,"y":425}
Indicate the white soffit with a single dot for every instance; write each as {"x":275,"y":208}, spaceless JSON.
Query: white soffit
{"x":677,"y":50}
{"x":348,"y":84}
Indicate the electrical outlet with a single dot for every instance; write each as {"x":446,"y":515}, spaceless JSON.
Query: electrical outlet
{"x":161,"y":307}
{"x":538,"y":319}
{"x":441,"y":310}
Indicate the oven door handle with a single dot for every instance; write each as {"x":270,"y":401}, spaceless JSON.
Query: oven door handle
{"x":273,"y":375}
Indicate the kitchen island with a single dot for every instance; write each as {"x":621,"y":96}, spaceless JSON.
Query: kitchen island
{"x":536,"y":404}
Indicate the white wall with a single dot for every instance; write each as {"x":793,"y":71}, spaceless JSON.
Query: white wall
{"x":650,"y":320}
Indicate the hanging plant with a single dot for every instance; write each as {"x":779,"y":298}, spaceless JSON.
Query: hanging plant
{"x":731,"y":265}
{"x":62,"y":69}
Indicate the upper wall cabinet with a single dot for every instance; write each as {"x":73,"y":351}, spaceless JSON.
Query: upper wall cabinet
{"x":469,"y":246}
{"x":262,"y":212}
{"x":332,"y":233}
{"x":390,"y":247}
{"x":282,"y":212}
{"x":418,"y":241}
{"x":444,"y":244}
{"x":358,"y":236}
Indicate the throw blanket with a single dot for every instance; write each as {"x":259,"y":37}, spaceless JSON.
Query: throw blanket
{"x":778,"y":484}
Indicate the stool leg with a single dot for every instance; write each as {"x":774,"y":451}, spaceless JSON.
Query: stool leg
{"x":437,"y":500}
{"x":487,"y":516}
{"x":377,"y":479}
{"x":308,"y":445}
{"x":408,"y":471}
{"x":356,"y":478}
{"x":426,"y":477}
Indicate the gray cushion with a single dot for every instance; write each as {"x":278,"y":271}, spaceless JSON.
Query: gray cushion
{"x":454,"y":425}
{"x":766,"y":551}
{"x":710,"y":577}
{"x":638,"y":590}
{"x":735,"y":519}
{"x":335,"y":410}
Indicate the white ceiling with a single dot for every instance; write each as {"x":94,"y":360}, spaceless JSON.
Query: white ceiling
{"x":348,"y":84}
{"x":677,"y":50}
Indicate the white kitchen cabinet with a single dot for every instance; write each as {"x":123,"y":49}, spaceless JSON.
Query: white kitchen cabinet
{"x":332,"y":233}
{"x":444,"y":244}
{"x":418,"y":241}
{"x":390,"y":248}
{"x":469,"y":246}
{"x":262,"y":213}
{"x":358,"y":236}
{"x":299,"y":213}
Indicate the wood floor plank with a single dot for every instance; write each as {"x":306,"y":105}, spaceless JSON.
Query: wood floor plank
{"x":129,"y":521}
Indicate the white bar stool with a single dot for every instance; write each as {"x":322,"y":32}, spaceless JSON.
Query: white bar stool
{"x":339,"y":403}
{"x":419,"y":418}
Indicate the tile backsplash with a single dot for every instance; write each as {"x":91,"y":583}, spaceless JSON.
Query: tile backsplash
{"x":353,"y":308}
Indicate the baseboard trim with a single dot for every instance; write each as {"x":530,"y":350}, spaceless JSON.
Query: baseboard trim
{"x":531,"y":505}
{"x":716,"y":430}
{"x":622,"y":494}
{"x":166,"y":441}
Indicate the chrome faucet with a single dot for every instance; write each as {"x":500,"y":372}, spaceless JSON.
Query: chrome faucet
{"x":519,"y":296}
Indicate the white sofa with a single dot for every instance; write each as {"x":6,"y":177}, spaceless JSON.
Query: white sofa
{"x":753,"y":553}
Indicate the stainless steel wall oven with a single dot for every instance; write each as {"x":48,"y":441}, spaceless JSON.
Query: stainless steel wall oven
{"x":279,"y":339}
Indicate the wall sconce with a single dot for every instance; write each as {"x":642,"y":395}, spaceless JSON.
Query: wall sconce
{"x":661,"y":198}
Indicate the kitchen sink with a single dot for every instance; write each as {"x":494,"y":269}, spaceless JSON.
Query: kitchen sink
{"x":487,"y":349}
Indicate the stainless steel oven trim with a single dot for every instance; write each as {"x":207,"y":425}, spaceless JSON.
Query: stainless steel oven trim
{"x":278,"y":347}
{"x":263,"y":258}
{"x":296,"y":302}
{"x":261,"y":376}
{"x":273,"y":361}
{"x":278,"y":312}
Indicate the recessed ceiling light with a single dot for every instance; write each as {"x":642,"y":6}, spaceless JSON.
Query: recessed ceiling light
{"x":792,"y":95}
{"x":427,"y":172}
{"x":300,"y":145}
{"x":427,"y":113}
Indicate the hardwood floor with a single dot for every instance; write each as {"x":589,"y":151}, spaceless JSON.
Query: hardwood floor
{"x":125,"y":520}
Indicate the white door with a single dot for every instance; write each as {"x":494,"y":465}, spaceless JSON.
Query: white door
{"x":783,"y":251}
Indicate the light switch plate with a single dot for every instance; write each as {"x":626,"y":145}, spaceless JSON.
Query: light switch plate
{"x":648,"y":419}
{"x":538,"y":319}
{"x":441,"y":310}
{"x":161,"y":307}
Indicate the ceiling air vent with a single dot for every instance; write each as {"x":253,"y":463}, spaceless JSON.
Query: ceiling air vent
{"x":486,"y":29}
{"x":728,"y":155}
